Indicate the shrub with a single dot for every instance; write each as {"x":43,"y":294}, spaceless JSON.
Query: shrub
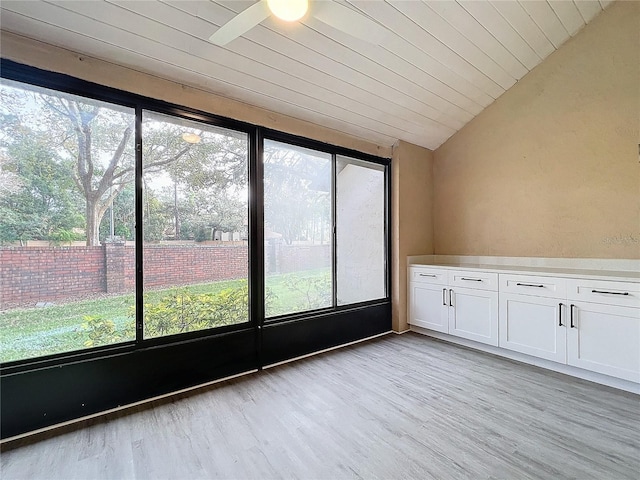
{"x":98,"y":331}
{"x":183,"y":311}
{"x":61,"y":236}
{"x":179,"y":311}
{"x":203,"y":234}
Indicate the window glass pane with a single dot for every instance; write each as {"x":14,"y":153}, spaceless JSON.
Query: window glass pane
{"x":195,"y":211}
{"x":297,"y":217}
{"x":66,"y":222}
{"x":360,"y":231}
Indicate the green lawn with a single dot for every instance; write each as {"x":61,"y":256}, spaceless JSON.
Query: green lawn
{"x":33,"y":332}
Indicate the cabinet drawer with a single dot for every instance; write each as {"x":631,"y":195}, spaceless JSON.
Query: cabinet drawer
{"x":626,"y":294}
{"x":473,"y":279}
{"x":550,"y":287}
{"x":428,"y":275}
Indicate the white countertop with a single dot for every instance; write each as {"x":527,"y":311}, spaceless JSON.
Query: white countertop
{"x":628,"y":274}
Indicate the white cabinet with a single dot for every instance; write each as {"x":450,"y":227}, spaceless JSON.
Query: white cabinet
{"x":428,"y":300}
{"x":533,"y":316}
{"x":428,"y":307}
{"x":587,"y":322}
{"x":437,"y":302}
{"x":605,"y":339}
{"x":604,"y":327}
{"x":533,"y":325}
{"x":473,"y":314}
{"x":433,"y":276}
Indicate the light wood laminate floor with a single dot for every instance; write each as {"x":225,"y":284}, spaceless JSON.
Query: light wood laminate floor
{"x":399,"y":407}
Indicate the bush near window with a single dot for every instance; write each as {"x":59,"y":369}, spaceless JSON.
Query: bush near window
{"x":184,"y":311}
{"x":99,"y":331}
{"x":180,"y":311}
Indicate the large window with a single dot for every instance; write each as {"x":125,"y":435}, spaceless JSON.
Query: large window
{"x":312,"y":201}
{"x":146,"y":247}
{"x":297,"y":219}
{"x":66,"y":222}
{"x":120,"y":224}
{"x":195,"y":211}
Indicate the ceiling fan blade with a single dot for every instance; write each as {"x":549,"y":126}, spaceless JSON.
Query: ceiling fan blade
{"x":349,"y":21}
{"x":241,"y":23}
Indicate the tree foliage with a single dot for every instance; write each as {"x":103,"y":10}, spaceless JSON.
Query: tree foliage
{"x":205,"y":188}
{"x":180,"y":311}
{"x":71,"y":160}
{"x":297,"y":194}
{"x":88,"y":148}
{"x":40,"y":200}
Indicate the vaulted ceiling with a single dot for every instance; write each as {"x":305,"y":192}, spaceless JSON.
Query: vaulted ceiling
{"x":439,"y":64}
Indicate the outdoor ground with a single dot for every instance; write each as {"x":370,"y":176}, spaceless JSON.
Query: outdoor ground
{"x":34,"y":332}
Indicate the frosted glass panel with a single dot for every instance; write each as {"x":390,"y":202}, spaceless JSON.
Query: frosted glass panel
{"x":360,"y":231}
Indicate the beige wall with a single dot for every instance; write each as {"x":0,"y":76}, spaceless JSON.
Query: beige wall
{"x":47,"y":57}
{"x":412,"y":229}
{"x":551,"y":168}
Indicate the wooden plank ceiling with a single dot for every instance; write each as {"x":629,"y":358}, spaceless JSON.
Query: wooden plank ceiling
{"x":440,"y":64}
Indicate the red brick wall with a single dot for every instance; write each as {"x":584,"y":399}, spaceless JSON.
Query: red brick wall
{"x":49,"y":274}
{"x":45,"y":274}
{"x":130,"y":268}
{"x":183,"y":265}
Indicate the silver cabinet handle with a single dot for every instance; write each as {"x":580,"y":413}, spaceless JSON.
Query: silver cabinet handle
{"x":529,"y":285}
{"x":450,"y":297}
{"x":444,"y":297}
{"x":609,"y":293}
{"x":471,"y":279}
{"x":427,"y":275}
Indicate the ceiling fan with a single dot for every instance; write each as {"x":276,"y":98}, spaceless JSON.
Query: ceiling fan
{"x":330,"y":12}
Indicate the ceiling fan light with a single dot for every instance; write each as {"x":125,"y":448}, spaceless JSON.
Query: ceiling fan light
{"x":288,"y":10}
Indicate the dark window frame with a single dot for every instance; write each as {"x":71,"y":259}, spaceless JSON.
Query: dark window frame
{"x":335,"y":151}
{"x":63,"y":83}
{"x":256,"y":134}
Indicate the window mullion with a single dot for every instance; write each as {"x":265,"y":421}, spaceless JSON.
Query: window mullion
{"x":256,"y":237}
{"x":139,"y":227}
{"x":334,"y":240}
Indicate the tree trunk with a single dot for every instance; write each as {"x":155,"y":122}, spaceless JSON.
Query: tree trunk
{"x":92,"y":226}
{"x":175,"y":212}
{"x":94,"y":217}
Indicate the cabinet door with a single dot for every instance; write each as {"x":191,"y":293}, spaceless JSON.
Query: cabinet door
{"x":605,"y":339}
{"x":533,"y":325}
{"x":427,"y":306}
{"x":473,"y":314}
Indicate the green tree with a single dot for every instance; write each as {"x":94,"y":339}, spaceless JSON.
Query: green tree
{"x":207,"y":210}
{"x":41,"y":203}
{"x":154,"y":218}
{"x":95,"y":140}
{"x":297,"y":201}
{"x":203,"y":188}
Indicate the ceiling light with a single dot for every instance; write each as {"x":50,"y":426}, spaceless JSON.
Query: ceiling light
{"x":191,"y":137}
{"x":288,"y":10}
